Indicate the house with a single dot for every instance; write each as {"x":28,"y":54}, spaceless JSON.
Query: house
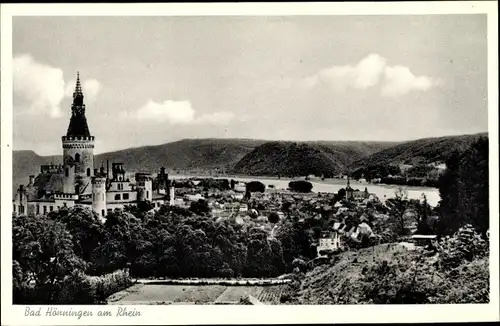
{"x":328,"y":241}
{"x":240,"y":188}
{"x":423,"y":240}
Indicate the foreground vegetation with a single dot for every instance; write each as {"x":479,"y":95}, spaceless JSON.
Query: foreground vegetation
{"x":70,"y":257}
{"x":456,"y":271}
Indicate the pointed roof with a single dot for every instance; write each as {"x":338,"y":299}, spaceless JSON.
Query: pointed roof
{"x":78,"y":122}
{"x":348,"y":183}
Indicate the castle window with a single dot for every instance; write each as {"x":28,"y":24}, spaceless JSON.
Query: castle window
{"x":45,"y":209}
{"x":64,"y":204}
{"x":88,"y":172}
{"x":147,"y":194}
{"x":117,"y":197}
{"x":125,"y":196}
{"x":103,"y":213}
{"x":77,"y":157}
{"x":37,"y":209}
{"x":66,"y":172}
{"x":21,"y":209}
{"x":14,"y":208}
{"x":51,"y":208}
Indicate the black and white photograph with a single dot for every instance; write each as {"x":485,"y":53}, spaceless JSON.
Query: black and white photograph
{"x":237,"y":159}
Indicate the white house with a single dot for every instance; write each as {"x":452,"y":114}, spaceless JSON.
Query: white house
{"x":328,"y":241}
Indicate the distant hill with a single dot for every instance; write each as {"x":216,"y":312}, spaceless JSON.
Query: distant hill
{"x":260,"y":157}
{"x":184,"y":154}
{"x":427,"y":150}
{"x":28,"y":162}
{"x":304,"y":158}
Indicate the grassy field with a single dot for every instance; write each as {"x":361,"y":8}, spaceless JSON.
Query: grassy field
{"x":195,"y":294}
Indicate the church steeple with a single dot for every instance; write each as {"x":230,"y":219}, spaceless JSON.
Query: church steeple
{"x":78,"y":126}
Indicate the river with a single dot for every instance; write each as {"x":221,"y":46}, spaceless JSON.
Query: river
{"x":382,"y":191}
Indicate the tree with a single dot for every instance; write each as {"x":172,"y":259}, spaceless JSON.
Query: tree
{"x":464,"y":189}
{"x":273,"y":217}
{"x":341,"y":194}
{"x":286,"y":207}
{"x":85,"y":228}
{"x":400,"y":211}
{"x":255,"y":186}
{"x":42,"y":257}
{"x":300,"y":186}
{"x":199,"y":207}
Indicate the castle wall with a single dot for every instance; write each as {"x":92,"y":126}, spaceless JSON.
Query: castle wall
{"x":69,"y":179}
{"x":121,"y":196}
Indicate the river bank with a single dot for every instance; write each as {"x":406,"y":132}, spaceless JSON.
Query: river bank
{"x":382,"y":191}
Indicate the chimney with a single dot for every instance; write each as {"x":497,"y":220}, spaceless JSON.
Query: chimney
{"x":32,"y":180}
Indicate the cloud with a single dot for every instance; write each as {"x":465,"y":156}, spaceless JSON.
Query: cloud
{"x":400,"y":80}
{"x":371,"y":71}
{"x":37,"y":87}
{"x":177,"y":113}
{"x":365,"y":74}
{"x":217,"y":118}
{"x":40,"y":88}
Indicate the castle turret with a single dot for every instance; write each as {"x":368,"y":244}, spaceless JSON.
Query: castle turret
{"x":78,"y":146}
{"x":118,"y":172}
{"x":144,"y":183}
{"x":162,"y":182}
{"x":99,"y":195}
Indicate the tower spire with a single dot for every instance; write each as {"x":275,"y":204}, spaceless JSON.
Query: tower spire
{"x":78,"y":87}
{"x":78,"y":122}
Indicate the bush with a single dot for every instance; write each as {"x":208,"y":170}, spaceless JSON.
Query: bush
{"x":300,"y":186}
{"x":466,"y":244}
{"x":273,"y":217}
{"x":255,"y":186}
{"x":111,"y":283}
{"x":77,"y":288}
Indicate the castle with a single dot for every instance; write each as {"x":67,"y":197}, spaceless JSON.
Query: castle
{"x":76,"y":182}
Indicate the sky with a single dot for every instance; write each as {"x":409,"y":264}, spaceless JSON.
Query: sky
{"x":153,"y":80}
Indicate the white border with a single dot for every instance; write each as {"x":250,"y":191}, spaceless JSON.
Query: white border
{"x":252,"y":314}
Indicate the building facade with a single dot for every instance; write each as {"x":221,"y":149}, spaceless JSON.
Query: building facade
{"x":77,"y":182}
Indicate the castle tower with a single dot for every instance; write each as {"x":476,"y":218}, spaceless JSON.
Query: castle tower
{"x":162,"y":181}
{"x":78,"y":146}
{"x":99,"y":195}
{"x":118,"y":172}
{"x":144,"y":183}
